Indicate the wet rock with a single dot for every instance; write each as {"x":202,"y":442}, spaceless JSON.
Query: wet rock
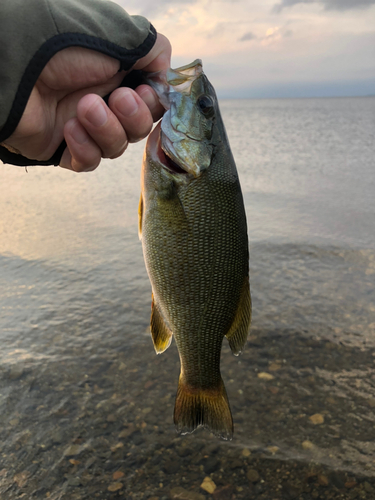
{"x":223,"y":493}
{"x":117,"y":475}
{"x":367,"y":487}
{"x":74,"y":481}
{"x":338,"y":479}
{"x":171,"y":467}
{"x":57,"y":436}
{"x":253,"y":475}
{"x":115,"y":487}
{"x":179,"y":493}
{"x":184,"y":451}
{"x":246,"y":452}
{"x":137,"y":438}
{"x":307,"y":445}
{"x":211,"y":464}
{"x":290,"y":490}
{"x":273,"y":449}
{"x":16,"y":372}
{"x":317,"y":419}
{"x":21,"y":478}
{"x":73,"y":449}
{"x":323,"y":480}
{"x":208,"y":485}
{"x":265,"y":376}
{"x":235,"y":464}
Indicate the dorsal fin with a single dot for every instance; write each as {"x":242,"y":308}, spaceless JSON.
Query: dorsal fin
{"x":239,"y":329}
{"x":160,"y":332}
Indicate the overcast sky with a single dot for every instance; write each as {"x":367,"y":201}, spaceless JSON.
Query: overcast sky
{"x":271,"y":48}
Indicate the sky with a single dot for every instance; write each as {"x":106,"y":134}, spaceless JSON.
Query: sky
{"x":271,"y":48}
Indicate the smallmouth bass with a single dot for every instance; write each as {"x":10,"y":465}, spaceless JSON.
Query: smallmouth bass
{"x":192,"y":224}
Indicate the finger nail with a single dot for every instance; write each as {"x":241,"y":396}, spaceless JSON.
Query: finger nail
{"x":147,"y":96}
{"x":126,"y":104}
{"x":97,"y":114}
{"x":79,"y":134}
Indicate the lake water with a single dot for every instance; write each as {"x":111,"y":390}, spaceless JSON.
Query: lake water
{"x":87,"y":407}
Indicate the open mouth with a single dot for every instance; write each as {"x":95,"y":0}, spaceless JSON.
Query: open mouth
{"x":155,"y":146}
{"x":167,"y":161}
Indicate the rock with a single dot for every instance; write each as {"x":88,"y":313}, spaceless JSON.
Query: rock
{"x":73,"y":449}
{"x":115,"y":487}
{"x":208,"y":485}
{"x":236,"y":464}
{"x":137,"y":438}
{"x":273,"y":449}
{"x":273,"y":367}
{"x":117,"y":446}
{"x":74,"y":481}
{"x":223,"y":493}
{"x":184,"y":451}
{"x":171,"y":467}
{"x":307,"y":445}
{"x":367,"y":486}
{"x":290,"y":491}
{"x":253,"y":476}
{"x":16,"y":372}
{"x":246,"y":452}
{"x":323,"y":480}
{"x":211,"y":465}
{"x":338,"y":479}
{"x":117,"y":475}
{"x":350,"y":484}
{"x":179,"y":493}
{"x":273,"y":390}
{"x":21,"y":478}
{"x":265,"y":376}
{"x":316,"y":419}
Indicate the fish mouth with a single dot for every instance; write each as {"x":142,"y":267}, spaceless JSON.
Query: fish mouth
{"x":159,"y":155}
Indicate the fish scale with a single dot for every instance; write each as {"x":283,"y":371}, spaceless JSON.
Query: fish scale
{"x":195,"y":244}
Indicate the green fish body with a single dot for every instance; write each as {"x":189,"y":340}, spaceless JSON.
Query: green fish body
{"x":193,"y":228}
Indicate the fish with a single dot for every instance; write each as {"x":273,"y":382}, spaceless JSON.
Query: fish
{"x":192,"y":225}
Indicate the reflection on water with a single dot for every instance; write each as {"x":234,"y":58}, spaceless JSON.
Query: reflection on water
{"x":87,"y":407}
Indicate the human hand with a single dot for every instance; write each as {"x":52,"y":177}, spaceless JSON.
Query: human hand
{"x":66,"y":102}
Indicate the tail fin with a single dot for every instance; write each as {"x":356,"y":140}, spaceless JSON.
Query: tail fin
{"x":208,"y":408}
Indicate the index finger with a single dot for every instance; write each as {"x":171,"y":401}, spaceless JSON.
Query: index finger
{"x":159,"y":57}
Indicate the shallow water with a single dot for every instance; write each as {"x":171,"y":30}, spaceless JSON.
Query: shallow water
{"x":87,"y":407}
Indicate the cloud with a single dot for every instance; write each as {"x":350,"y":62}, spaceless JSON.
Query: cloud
{"x":247,"y":36}
{"x":328,"y":4}
{"x":150,"y":8}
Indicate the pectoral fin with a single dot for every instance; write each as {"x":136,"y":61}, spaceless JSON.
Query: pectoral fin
{"x":160,"y":333}
{"x":140,"y":216}
{"x":237,"y":334}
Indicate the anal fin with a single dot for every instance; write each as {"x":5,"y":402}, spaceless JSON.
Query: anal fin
{"x":160,"y":333}
{"x":240,"y":327}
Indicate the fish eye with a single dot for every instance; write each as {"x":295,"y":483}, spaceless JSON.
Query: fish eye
{"x":205,"y":104}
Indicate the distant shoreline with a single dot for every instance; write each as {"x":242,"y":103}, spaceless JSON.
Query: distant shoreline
{"x":297,"y":97}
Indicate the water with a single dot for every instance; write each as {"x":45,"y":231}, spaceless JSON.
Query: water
{"x":87,"y":407}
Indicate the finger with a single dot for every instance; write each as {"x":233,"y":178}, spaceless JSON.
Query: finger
{"x":102,"y":125}
{"x":158,"y":58}
{"x":82,"y":153}
{"x":132,"y":112}
{"x":149,"y":96}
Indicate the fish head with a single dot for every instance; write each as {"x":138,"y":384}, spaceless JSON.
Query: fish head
{"x":187,"y":125}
